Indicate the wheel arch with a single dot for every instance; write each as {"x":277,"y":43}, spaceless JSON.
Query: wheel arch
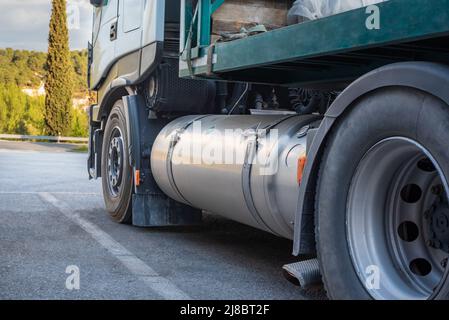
{"x":431,"y":78}
{"x":109,"y":100}
{"x":97,"y":126}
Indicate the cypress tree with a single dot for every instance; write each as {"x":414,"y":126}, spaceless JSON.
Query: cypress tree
{"x":58,"y":84}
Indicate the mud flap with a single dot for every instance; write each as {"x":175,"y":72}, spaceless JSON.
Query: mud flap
{"x":151,"y":207}
{"x":95,"y":145}
{"x":157,"y":210}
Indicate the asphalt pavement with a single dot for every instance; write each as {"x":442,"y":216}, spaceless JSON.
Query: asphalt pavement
{"x":54,"y":231}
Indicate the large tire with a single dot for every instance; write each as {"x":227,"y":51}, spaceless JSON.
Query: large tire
{"x":358,"y":207}
{"x":116,"y":172}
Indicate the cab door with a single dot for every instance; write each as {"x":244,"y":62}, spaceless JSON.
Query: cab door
{"x":104,"y":38}
{"x":130,"y":26}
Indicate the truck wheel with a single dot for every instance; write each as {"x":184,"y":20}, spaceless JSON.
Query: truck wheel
{"x":116,"y":172}
{"x":382,"y":224}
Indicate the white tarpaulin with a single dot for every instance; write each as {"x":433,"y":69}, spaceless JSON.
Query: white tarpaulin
{"x":304,"y":10}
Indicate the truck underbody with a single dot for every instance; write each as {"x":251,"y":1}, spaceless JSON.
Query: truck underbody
{"x":337,"y":134}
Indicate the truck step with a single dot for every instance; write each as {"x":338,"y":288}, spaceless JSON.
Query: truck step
{"x":303,"y":273}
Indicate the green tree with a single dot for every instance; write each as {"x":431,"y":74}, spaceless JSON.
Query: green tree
{"x":21,"y":114}
{"x":80,"y":123}
{"x":34,"y":116}
{"x":13,"y":104}
{"x":58,"y":85}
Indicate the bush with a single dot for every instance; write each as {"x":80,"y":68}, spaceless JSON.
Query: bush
{"x":22,"y":114}
{"x":13,"y":107}
{"x":80,"y":123}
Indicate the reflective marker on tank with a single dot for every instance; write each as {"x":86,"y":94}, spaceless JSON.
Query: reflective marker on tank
{"x":301,"y":165}
{"x":137,"y":178}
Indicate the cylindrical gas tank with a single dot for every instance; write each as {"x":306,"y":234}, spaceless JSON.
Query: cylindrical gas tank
{"x":244,"y":168}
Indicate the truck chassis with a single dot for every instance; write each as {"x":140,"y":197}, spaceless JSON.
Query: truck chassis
{"x":371,"y":179}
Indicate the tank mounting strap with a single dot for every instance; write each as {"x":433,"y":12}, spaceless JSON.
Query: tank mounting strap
{"x":253,"y":135}
{"x":173,"y":142}
{"x":278,"y":122}
{"x":250,"y":154}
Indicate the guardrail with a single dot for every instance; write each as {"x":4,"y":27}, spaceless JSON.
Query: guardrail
{"x":43,"y":138}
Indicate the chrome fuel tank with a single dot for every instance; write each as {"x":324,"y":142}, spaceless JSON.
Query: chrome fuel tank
{"x":244,"y":168}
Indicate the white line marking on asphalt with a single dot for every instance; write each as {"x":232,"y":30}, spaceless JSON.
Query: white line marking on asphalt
{"x":140,"y":269}
{"x":17,"y":151}
{"x":57,"y":193}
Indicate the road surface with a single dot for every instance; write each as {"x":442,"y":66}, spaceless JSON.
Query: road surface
{"x":52,"y":221}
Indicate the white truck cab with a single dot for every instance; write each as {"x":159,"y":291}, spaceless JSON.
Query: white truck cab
{"x":127,"y":40}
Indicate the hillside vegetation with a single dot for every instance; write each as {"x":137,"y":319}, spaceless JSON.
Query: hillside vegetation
{"x":22,"y":114}
{"x":27,"y":68}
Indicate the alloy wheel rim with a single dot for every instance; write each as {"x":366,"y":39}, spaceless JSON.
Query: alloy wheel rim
{"x":398,"y":221}
{"x":115,"y":162}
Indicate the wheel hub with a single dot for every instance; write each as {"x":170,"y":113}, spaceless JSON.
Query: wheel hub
{"x":439,"y":227}
{"x":115,"y":161}
{"x":398,"y":220}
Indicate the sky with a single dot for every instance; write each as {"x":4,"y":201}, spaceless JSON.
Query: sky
{"x":24,"y":23}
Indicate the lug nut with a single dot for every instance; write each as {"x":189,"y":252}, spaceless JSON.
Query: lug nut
{"x":437,"y":190}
